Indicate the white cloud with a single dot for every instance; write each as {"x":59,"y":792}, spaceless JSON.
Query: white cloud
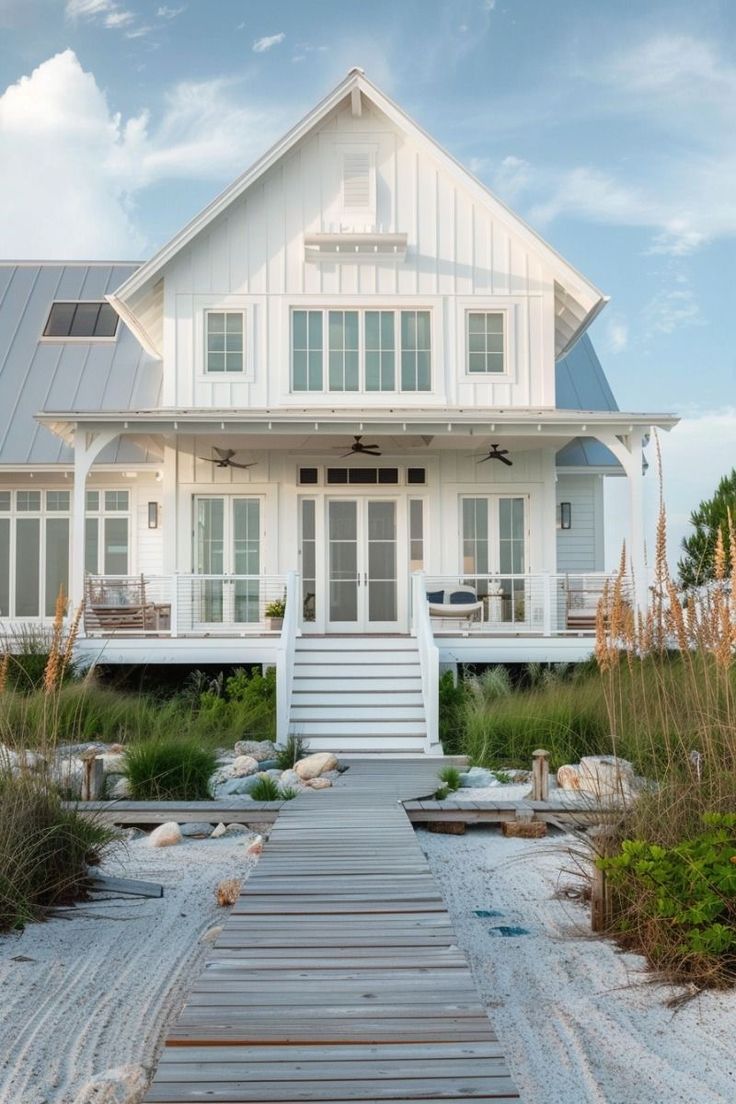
{"x":672,"y":308}
{"x":109,"y":13}
{"x":261,"y":45}
{"x":165,"y":12}
{"x":72,"y":168}
{"x":616,"y":334}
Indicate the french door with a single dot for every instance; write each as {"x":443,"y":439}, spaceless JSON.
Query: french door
{"x":494,"y":554}
{"x":362,"y":565}
{"x":227,"y":542}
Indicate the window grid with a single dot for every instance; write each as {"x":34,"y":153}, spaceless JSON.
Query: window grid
{"x":224,"y":337}
{"x":34,"y":551}
{"x":485,"y":342}
{"x":361,"y":350}
{"x":107,"y":533}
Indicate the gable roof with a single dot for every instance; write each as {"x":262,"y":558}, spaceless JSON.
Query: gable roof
{"x":37,"y":374}
{"x":581,"y":384}
{"x":577,"y":300}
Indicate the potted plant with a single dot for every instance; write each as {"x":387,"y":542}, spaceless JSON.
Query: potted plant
{"x":275,"y":614}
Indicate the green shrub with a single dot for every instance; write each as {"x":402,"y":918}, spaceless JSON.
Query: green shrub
{"x":450,"y":776}
{"x":677,"y":904}
{"x":452,"y":699}
{"x":169,"y":769}
{"x":266,"y":789}
{"x":45,"y":850}
{"x":288,"y":793}
{"x":295,"y":748}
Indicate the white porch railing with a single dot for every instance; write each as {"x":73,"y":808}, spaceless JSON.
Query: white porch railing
{"x":181,"y":605}
{"x":285,"y":661}
{"x":542,"y":603}
{"x":429,"y":662}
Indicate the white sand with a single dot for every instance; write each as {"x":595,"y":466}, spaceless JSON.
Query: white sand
{"x":577,"y":1019}
{"x":520,"y":791}
{"x":102,"y":987}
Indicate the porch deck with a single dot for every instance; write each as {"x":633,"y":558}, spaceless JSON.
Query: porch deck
{"x":337,"y":976}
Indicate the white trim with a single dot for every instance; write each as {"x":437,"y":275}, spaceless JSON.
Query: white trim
{"x":514,"y":311}
{"x":212,"y":374}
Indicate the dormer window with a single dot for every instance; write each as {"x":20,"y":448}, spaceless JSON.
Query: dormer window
{"x":85,"y":320}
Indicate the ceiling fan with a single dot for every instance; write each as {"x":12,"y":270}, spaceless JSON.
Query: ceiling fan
{"x":224,"y":459}
{"x":359,"y":448}
{"x":496,"y":453}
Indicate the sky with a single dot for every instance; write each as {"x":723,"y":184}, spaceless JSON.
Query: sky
{"x":609,"y":125}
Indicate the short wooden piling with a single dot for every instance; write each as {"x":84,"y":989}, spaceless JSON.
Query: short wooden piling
{"x":601,"y":902}
{"x":540,"y":775}
{"x":93,"y":776}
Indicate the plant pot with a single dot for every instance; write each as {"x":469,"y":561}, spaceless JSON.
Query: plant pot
{"x":275,"y":624}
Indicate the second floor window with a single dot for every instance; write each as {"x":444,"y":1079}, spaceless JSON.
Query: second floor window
{"x":485,"y":342}
{"x":224,"y":335}
{"x":361,"y":350}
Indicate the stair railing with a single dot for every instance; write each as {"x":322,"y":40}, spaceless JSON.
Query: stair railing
{"x":429,"y":661}
{"x":285,"y":656}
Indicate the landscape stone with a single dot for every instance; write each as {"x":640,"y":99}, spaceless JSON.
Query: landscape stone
{"x":243,"y":766}
{"x":217,"y":831}
{"x":166,"y":835}
{"x":196,"y":828}
{"x":568,"y":777}
{"x":120,"y":787}
{"x":237,"y":830}
{"x":269,"y":764}
{"x":607,"y":776}
{"x":477,"y":778}
{"x":290,"y":780}
{"x":258,"y":749}
{"x":234,"y":786}
{"x":318,"y":783}
{"x":315,"y":765}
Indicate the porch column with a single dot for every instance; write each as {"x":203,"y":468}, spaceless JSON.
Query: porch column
{"x":87,"y":447}
{"x":628,"y":451}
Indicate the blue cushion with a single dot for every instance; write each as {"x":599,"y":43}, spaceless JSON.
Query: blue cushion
{"x":436,"y":597}
{"x":462,"y":598}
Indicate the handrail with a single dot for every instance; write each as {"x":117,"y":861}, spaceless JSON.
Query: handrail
{"x":429,"y":662}
{"x":285,"y":656}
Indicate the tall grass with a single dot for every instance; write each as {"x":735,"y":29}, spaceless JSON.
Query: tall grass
{"x":169,"y":769}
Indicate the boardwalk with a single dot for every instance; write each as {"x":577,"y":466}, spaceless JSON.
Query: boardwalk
{"x":336,"y":977}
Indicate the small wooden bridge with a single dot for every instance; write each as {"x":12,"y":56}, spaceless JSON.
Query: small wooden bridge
{"x":336,"y":976}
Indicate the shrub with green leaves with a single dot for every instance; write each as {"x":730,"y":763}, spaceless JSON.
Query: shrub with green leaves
{"x":266,"y":789}
{"x":677,"y":905}
{"x":450,"y":777}
{"x":169,"y":769}
{"x":45,"y":850}
{"x":295,"y":748}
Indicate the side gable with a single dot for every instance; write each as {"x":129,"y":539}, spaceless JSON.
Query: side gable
{"x":576,"y":300}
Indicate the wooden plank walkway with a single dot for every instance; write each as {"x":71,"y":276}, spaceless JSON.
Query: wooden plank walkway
{"x":337,"y":976}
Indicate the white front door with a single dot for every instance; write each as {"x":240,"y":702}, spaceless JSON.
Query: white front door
{"x":227,"y":542}
{"x":362,"y":565}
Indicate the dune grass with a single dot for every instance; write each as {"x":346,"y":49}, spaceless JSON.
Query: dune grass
{"x":169,"y":769}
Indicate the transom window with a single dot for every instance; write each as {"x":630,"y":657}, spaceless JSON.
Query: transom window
{"x":81,"y":319}
{"x":361,"y":351}
{"x":224,"y":338}
{"x":485,"y":342}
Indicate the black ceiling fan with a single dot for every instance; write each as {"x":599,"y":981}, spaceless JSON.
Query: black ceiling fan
{"x":224,"y":459}
{"x":358,"y":447}
{"x":496,"y":453}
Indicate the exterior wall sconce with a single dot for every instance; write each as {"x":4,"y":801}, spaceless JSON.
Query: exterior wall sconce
{"x":153,"y":515}
{"x":565,"y":515}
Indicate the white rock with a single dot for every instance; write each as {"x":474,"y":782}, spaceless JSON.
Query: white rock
{"x":121,"y":788}
{"x":243,"y":766}
{"x":258,"y":749}
{"x":124,"y":1085}
{"x":290,"y":780}
{"x":8,"y":758}
{"x":211,"y":934}
{"x":318,"y":783}
{"x":568,"y":777}
{"x":316,"y":764}
{"x":607,"y":776}
{"x":166,"y":835}
{"x":113,"y":762}
{"x":217,"y":831}
{"x":256,"y":847}
{"x":237,"y":830}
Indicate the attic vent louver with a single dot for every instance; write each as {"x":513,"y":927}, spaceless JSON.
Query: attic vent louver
{"x":356,"y":180}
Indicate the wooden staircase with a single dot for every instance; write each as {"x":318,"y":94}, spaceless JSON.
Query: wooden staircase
{"x":358,"y":694}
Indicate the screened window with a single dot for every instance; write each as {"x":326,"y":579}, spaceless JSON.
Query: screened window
{"x":306,"y":350}
{"x":361,"y":350}
{"x":344,"y":353}
{"x":485,"y":342}
{"x":224,"y":336}
{"x":415,"y":351}
{"x":81,"y":319}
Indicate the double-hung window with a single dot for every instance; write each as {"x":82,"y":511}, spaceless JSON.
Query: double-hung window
{"x":485,"y":343}
{"x":224,"y":334}
{"x":361,"y":350}
{"x":107,"y":532}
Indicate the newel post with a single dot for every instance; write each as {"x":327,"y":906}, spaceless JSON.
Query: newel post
{"x":540,"y":775}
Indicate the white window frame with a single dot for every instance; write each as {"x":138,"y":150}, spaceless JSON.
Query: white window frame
{"x":515,"y":316}
{"x":100,"y":515}
{"x":224,"y":375}
{"x":194,"y":313}
{"x":43,"y":514}
{"x":362,"y":309}
{"x":486,"y":375}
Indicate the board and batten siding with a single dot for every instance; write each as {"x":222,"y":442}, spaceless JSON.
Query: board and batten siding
{"x":459,"y":255}
{"x":581,"y":548}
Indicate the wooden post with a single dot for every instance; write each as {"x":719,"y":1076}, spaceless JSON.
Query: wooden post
{"x":93,"y":776}
{"x":601,"y":904}
{"x":540,"y":775}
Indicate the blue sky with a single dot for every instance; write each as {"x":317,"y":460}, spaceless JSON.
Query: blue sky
{"x":611,"y":127}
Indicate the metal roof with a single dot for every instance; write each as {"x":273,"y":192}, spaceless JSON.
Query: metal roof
{"x":581,"y":384}
{"x":40,"y":374}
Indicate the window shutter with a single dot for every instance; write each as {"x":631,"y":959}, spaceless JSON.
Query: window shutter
{"x":356,"y":180}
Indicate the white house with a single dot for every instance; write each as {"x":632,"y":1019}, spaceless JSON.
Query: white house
{"x":356,"y":379}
